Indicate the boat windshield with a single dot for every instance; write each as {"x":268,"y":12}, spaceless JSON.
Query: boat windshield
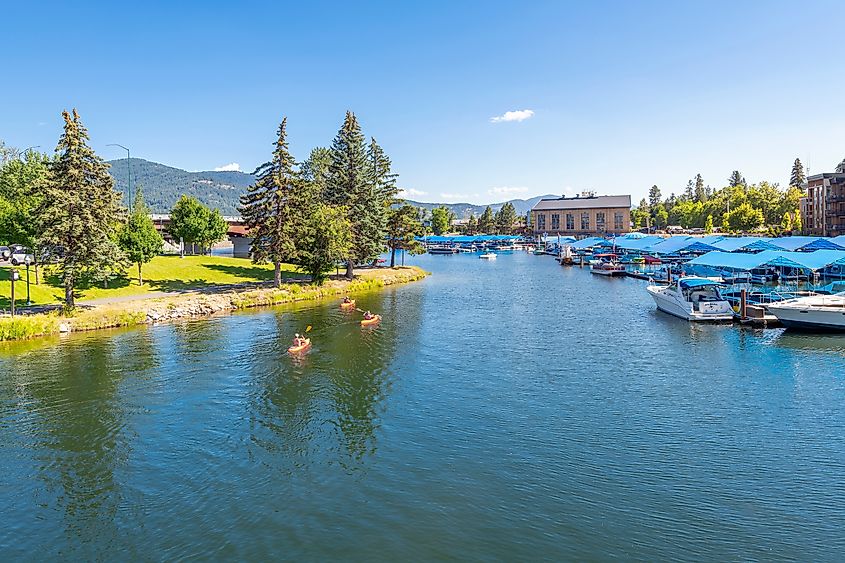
{"x":703,"y":293}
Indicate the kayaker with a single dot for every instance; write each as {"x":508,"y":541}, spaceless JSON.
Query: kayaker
{"x":298,"y":340}
{"x":347,"y":299}
{"x":368,"y":315}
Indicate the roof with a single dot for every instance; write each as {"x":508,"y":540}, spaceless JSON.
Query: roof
{"x":637,"y":243}
{"x":589,"y":243}
{"x":807,"y":243}
{"x":682,"y":243}
{"x":600,"y":201}
{"x":697,"y":282}
{"x":732,"y":244}
{"x":738,"y":261}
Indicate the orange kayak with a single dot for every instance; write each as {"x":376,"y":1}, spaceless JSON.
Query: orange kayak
{"x":373,"y":321}
{"x":350,"y":305}
{"x":301,"y":348}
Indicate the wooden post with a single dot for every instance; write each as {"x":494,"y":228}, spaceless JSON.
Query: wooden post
{"x":743,"y":303}
{"x":669,"y":273}
{"x":582,"y":262}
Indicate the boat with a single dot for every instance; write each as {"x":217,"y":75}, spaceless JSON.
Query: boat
{"x":815,"y":312}
{"x":488,"y":256}
{"x":693,"y":299}
{"x":349,"y":305}
{"x":301,"y":348}
{"x":606,"y":265}
{"x":442,"y":250}
{"x":652,"y":260}
{"x":373,"y":321}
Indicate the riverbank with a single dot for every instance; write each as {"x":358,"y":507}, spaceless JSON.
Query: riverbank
{"x":197,"y":304}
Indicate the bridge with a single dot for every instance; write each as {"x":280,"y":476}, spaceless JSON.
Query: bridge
{"x":237,"y":232}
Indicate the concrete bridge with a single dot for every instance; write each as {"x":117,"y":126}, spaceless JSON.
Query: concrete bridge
{"x":236,"y":232}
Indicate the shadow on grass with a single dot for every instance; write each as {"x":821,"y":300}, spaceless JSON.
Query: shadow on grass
{"x":250,"y":272}
{"x":177,"y":286}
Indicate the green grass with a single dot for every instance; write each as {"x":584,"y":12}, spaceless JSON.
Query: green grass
{"x":163,"y":273}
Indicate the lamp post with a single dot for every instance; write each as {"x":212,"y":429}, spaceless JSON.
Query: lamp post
{"x":15,"y":277}
{"x":27,"y":260}
{"x":128,"y":171}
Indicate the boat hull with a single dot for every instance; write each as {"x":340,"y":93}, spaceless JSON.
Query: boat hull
{"x":670,"y":304}
{"x":809,"y":319}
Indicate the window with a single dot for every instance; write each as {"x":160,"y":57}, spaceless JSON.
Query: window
{"x":555,"y":221}
{"x":570,"y":222}
{"x":585,"y":221}
{"x":617,"y":221}
{"x":600,"y":226}
{"x":541,"y":222}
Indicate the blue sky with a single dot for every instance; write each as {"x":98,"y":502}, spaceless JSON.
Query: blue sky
{"x":622,"y":95}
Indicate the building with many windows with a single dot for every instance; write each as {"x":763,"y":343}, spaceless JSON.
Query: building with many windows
{"x":587,"y":214}
{"x":823,"y":208}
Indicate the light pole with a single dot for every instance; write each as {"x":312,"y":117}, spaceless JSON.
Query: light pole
{"x":15,"y":277}
{"x":128,"y":171}
{"x":27,"y":260}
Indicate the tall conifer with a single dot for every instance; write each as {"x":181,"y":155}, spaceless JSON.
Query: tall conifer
{"x":80,"y":210}
{"x":267,"y":207}
{"x":797,"y":177}
{"x":348,"y":185}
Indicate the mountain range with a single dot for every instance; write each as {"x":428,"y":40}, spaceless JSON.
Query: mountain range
{"x":164,"y":185}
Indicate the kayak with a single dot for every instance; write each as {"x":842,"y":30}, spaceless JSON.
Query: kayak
{"x":350,"y":305}
{"x":301,"y":348}
{"x":370,"y":322}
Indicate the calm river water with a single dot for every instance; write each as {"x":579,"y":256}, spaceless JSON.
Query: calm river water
{"x":506,"y":410}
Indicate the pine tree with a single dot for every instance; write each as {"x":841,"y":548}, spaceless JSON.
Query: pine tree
{"x":736,"y":179}
{"x":315,"y":170}
{"x":700,"y":193}
{"x":267,"y":208}
{"x":689,"y":192}
{"x":323,"y":240}
{"x":472,"y":225}
{"x":80,"y":211}
{"x":486,"y":223}
{"x":797,"y":177}
{"x":505,"y":218}
{"x":139,"y":238}
{"x":348,"y":186}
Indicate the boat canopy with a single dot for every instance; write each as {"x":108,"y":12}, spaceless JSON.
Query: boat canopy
{"x":745,"y":244}
{"x":679,"y":244}
{"x":807,"y":244}
{"x":811,"y":261}
{"x":689,"y":283}
{"x":641,"y":244}
{"x":589,"y":242}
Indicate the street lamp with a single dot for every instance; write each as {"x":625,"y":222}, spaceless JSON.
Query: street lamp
{"x":128,"y":171}
{"x":15,"y":277}
{"x":27,"y":260}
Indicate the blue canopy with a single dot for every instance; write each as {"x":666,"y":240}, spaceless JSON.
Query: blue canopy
{"x":807,"y":244}
{"x":811,"y":261}
{"x":681,"y":243}
{"x":637,"y":244}
{"x":697,"y":282}
{"x":751,"y":244}
{"x":589,"y":242}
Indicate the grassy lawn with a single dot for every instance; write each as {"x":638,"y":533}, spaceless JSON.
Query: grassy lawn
{"x":164,"y":273}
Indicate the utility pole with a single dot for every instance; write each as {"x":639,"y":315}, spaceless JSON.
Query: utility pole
{"x":15,"y":277}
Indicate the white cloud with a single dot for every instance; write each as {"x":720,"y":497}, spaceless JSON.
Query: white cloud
{"x":516,"y":115}
{"x":231,"y":167}
{"x":411,"y":192}
{"x":507,"y":190}
{"x":463,"y":197}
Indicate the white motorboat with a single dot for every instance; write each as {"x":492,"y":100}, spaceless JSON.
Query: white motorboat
{"x":815,"y":312}
{"x":693,"y":299}
{"x":488,"y":256}
{"x":606,"y":265}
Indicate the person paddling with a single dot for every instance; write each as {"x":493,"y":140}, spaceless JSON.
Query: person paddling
{"x":347,"y":299}
{"x":298,"y":340}
{"x":368,"y":315}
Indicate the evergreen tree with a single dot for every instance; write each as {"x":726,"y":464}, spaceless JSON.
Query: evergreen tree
{"x":486,"y":223}
{"x":80,"y":211}
{"x":315,"y":170}
{"x":402,"y":230}
{"x":139,"y":238}
{"x":700,"y":192}
{"x":472,"y":225}
{"x":505,"y":218}
{"x":654,"y":199}
{"x":736,"y":179}
{"x":689,"y":192}
{"x":349,"y":186}
{"x":797,"y":178}
{"x":267,"y":211}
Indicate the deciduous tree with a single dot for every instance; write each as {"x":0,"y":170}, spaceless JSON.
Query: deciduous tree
{"x":402,"y":230}
{"x":139,"y":238}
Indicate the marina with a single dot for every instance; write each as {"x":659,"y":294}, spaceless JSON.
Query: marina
{"x":464,"y":413}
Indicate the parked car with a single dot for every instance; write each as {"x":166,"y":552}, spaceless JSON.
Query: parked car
{"x":21,"y":255}
{"x":5,"y":253}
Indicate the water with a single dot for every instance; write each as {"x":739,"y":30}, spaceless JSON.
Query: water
{"x":504,"y":410}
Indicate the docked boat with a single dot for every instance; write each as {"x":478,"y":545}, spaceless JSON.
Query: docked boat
{"x":815,"y":312}
{"x":606,"y":265}
{"x":442,"y":250}
{"x":693,"y":299}
{"x":488,"y":256}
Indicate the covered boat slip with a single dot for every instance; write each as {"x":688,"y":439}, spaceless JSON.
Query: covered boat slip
{"x":684,"y":244}
{"x":821,"y":263}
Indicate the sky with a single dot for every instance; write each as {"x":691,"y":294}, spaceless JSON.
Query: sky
{"x":478,"y":101}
